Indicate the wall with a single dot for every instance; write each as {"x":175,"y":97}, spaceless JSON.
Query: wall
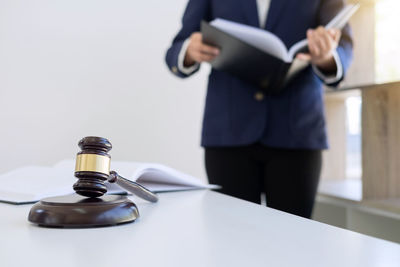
{"x":73,"y":68}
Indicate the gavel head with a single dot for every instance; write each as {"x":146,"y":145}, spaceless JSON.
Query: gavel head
{"x":92,"y":166}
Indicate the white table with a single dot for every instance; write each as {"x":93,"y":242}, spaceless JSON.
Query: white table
{"x":194,"y":228}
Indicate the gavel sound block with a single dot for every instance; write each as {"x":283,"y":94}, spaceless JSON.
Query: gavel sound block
{"x":89,"y":207}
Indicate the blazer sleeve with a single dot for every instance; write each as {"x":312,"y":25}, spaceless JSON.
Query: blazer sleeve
{"x":328,"y":9}
{"x":195,"y":12}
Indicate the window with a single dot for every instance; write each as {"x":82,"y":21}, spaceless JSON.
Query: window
{"x":387,"y":40}
{"x":353,"y":137}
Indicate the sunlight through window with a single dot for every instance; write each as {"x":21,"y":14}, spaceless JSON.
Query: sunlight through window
{"x":387,"y":46}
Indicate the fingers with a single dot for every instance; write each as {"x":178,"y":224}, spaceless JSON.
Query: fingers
{"x":206,"y":53}
{"x":201,"y":57}
{"x":312,"y":45}
{"x":197,"y":40}
{"x":198,"y":51}
{"x":303,"y":56}
{"x":322,"y":42}
{"x":323,"y":39}
{"x":206,"y":49}
{"x":336,"y":34}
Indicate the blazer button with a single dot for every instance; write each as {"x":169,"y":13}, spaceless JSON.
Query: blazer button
{"x":174,"y":69}
{"x":259,"y":96}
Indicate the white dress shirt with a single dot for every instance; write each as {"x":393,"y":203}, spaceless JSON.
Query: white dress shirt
{"x":262,"y":9}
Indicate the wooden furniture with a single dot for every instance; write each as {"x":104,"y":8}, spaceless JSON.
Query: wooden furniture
{"x":380,"y":138}
{"x":193,"y":228}
{"x":381,"y":141}
{"x":370,"y":204}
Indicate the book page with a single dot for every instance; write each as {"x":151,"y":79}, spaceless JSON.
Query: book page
{"x":29,"y":184}
{"x":32,"y":183}
{"x":259,"y":38}
{"x":295,"y":68}
{"x":127,"y":169}
{"x":298,"y":47}
{"x":158,"y":177}
{"x":160,"y":174}
{"x":156,"y":187}
{"x":340,"y":20}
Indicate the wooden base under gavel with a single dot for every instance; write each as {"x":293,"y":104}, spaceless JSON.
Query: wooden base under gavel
{"x":89,"y":207}
{"x":75,"y":211}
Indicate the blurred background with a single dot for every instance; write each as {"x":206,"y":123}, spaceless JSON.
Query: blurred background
{"x":70,"y":69}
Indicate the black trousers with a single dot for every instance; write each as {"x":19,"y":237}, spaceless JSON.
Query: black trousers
{"x":289,"y":178}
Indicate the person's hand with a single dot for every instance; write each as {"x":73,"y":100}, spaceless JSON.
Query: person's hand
{"x":321,"y":44}
{"x":199,"y":52}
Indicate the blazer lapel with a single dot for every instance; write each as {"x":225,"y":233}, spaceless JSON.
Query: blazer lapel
{"x":275,"y":9}
{"x":250,"y":10}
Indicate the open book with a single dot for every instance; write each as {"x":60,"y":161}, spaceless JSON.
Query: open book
{"x":259,"y":56}
{"x":32,"y":183}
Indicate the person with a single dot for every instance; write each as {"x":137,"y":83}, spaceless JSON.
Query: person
{"x":255,"y":142}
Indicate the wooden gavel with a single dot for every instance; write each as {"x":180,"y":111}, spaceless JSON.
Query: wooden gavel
{"x":93,"y":170}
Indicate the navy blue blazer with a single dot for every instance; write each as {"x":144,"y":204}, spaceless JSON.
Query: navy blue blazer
{"x":236,"y":113}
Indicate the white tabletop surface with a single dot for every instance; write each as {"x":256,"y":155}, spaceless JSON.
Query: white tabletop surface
{"x":194,"y":228}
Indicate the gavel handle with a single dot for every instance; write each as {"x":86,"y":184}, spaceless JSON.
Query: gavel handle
{"x":133,"y":187}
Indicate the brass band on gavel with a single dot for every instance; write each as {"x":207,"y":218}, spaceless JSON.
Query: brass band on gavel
{"x":93,"y":163}
{"x":92,"y":166}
